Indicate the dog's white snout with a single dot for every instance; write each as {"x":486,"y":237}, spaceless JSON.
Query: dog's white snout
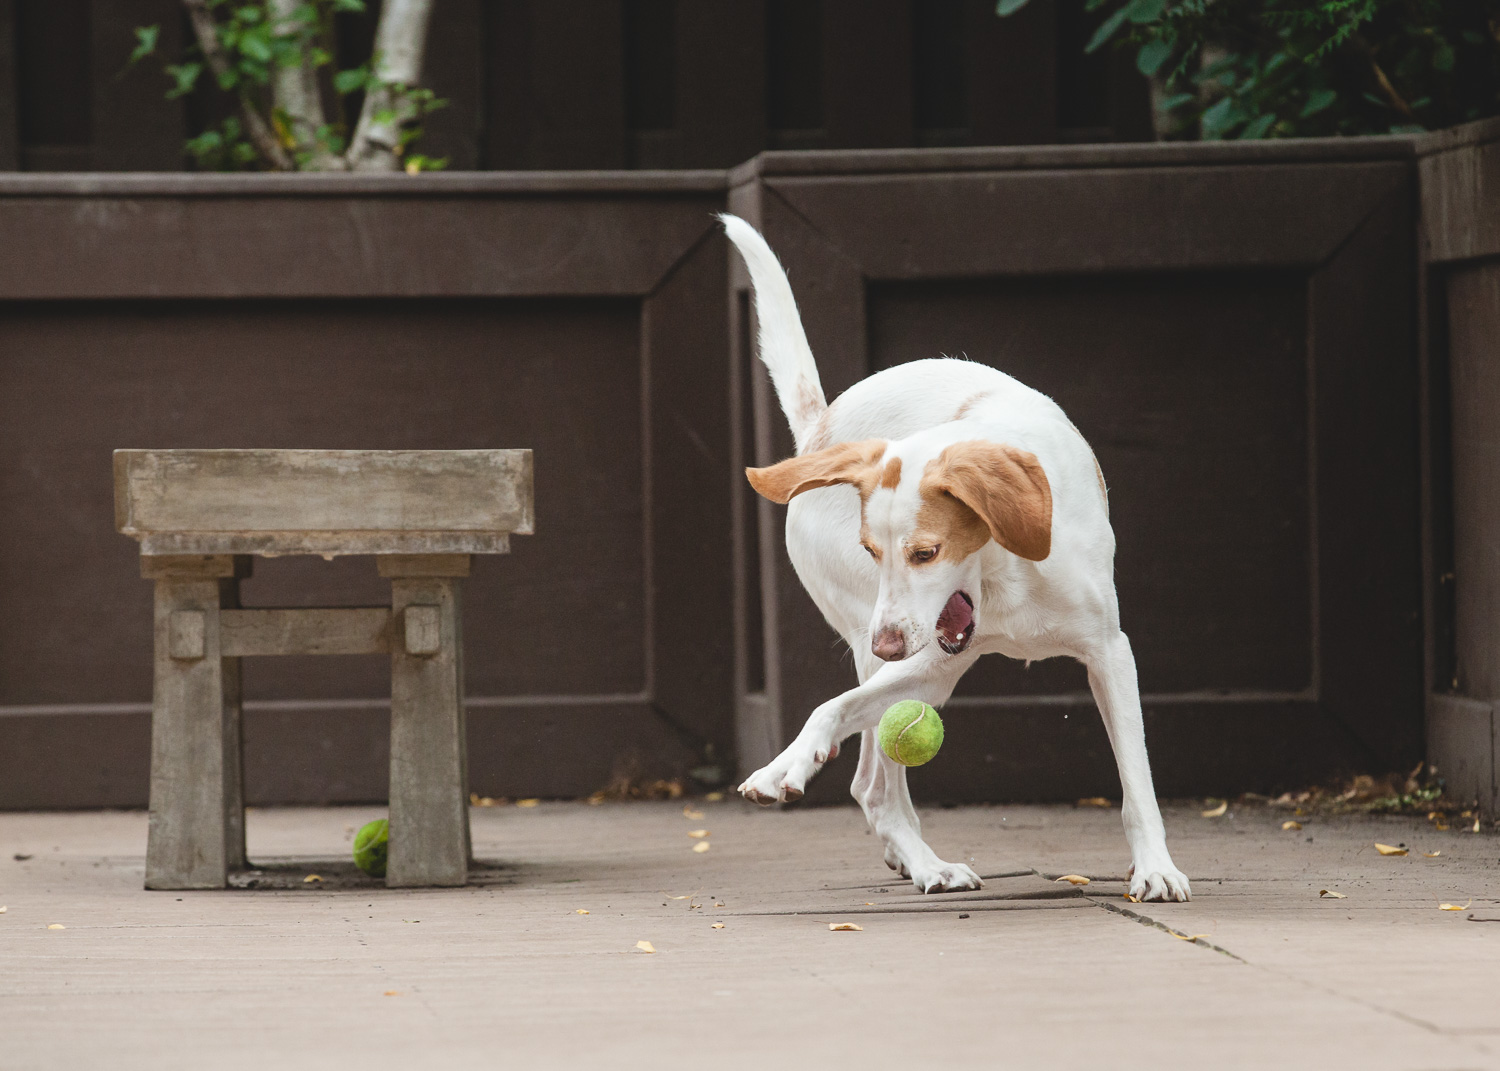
{"x":889,"y":644}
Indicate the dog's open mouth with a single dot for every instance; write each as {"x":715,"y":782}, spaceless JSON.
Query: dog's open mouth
{"x":955,"y":625}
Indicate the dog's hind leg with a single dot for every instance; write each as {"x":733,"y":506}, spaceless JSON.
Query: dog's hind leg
{"x":880,"y":787}
{"x":1112,"y":678}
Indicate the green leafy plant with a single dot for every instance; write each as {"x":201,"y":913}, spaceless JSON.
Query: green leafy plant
{"x":1305,"y":68}
{"x":276,"y":59}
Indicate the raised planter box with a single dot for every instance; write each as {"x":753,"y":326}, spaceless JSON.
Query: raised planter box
{"x":1460,"y":175}
{"x":581,"y":315}
{"x":1233,"y":328}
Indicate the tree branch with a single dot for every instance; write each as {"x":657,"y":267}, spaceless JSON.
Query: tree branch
{"x":261,"y":134}
{"x":400,"y":42}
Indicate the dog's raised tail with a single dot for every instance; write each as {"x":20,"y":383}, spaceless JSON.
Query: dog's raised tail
{"x":783,"y":343}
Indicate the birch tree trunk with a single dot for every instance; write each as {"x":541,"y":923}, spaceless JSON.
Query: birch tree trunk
{"x":400,"y":42}
{"x":294,"y":92}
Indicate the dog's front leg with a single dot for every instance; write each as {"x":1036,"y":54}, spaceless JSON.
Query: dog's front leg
{"x":923,"y":677}
{"x":1112,"y":677}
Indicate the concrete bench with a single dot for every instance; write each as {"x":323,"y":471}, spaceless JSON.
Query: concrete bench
{"x":201,"y":516}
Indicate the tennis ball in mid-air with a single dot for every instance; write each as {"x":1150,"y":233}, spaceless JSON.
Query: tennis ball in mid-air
{"x":370,"y":847}
{"x":911,"y":732}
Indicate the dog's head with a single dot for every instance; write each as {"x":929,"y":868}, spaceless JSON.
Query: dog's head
{"x":926,"y":510}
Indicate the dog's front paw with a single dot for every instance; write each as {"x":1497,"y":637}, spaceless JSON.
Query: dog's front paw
{"x":785,"y":779}
{"x":1159,"y":880}
{"x":761,"y":788}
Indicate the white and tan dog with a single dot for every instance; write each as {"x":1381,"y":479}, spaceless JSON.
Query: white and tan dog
{"x":940,"y":511}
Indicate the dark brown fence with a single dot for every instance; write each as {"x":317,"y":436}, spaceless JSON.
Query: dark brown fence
{"x":610,"y":83}
{"x":1233,"y":329}
{"x":1461,"y":276}
{"x":581,"y":316}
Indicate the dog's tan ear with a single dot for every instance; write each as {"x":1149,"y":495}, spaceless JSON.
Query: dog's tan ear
{"x":845,"y":463}
{"x":1006,"y":487}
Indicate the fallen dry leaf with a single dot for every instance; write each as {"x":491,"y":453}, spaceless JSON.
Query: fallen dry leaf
{"x":701,"y":847}
{"x":714,"y":797}
{"x":1475,"y":827}
{"x":2,"y":909}
{"x":57,"y":926}
{"x":581,"y":911}
{"x":1389,"y":849}
{"x":392,"y":993}
{"x":645,"y":946}
{"x":1332,"y":895}
{"x":697,"y":834}
{"x":411,"y":920}
{"x":1186,"y":936}
{"x":1291,"y":825}
{"x":1433,"y":855}
{"x":1455,"y":907}
{"x":1093,"y":801}
{"x":1441,"y":827}
{"x":311,"y":878}
{"x":676,"y":897}
{"x":844,"y":926}
{"x":718,"y":926}
{"x":527,"y":803}
{"x":1132,"y":899}
{"x":688,"y":812}
{"x":718,"y":904}
{"x":1073,"y":879}
{"x":1215,"y":812}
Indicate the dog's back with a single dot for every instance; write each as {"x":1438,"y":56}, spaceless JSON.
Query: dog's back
{"x":912,"y":397}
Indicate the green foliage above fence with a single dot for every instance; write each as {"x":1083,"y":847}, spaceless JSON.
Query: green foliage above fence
{"x":1307,"y":68}
{"x":276,"y":59}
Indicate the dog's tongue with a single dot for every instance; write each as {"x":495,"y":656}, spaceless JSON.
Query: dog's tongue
{"x":956,"y":623}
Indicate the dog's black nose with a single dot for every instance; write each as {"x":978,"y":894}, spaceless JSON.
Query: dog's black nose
{"x":889,"y":645}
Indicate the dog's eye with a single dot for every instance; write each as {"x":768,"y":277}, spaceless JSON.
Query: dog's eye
{"x":924,"y":554}
{"x":870,"y":550}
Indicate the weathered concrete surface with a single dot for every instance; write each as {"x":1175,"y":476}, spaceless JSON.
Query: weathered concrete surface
{"x":508,"y":974}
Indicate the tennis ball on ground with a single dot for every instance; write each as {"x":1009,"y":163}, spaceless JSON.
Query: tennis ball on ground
{"x":370,"y":847}
{"x":911,"y":732}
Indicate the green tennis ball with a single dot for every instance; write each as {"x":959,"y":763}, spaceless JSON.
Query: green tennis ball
{"x":370,"y":847}
{"x":911,"y":732}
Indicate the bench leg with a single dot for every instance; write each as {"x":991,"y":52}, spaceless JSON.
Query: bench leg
{"x":234,"y":746}
{"x":196,"y":830}
{"x":429,"y":775}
